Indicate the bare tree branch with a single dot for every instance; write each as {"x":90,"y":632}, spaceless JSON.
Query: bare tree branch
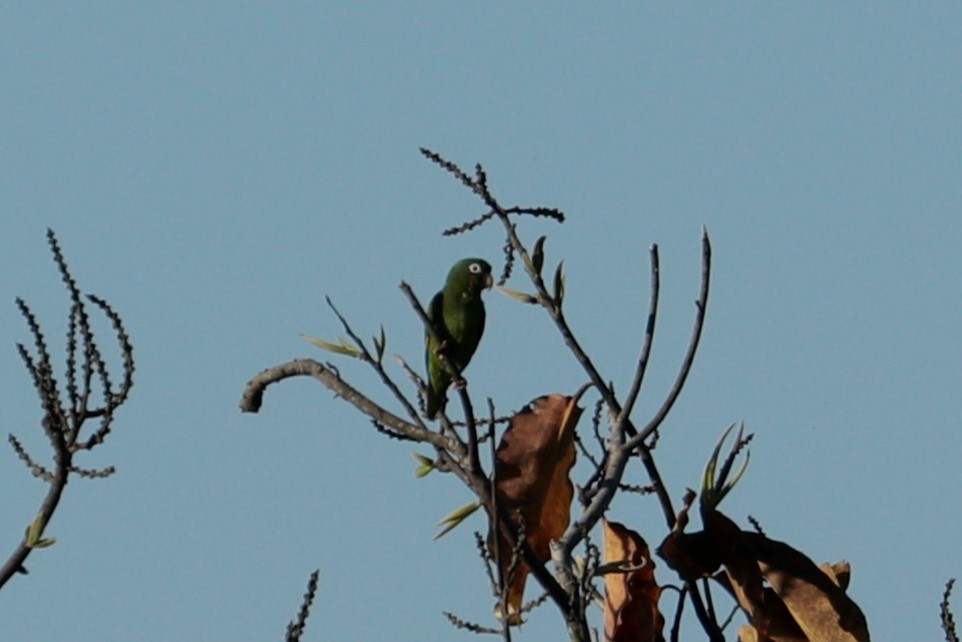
{"x":63,"y":426}
{"x":649,"y":339}
{"x":253,"y":397}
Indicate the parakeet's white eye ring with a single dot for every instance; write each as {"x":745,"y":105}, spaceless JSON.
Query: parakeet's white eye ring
{"x":474,"y":268}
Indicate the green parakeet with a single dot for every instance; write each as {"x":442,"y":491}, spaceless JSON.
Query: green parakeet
{"x":457,"y":312}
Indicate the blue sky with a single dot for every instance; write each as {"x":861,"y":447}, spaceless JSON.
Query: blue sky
{"x":215,"y":171}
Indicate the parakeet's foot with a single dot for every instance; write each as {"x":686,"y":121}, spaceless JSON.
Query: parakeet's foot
{"x":460,"y":385}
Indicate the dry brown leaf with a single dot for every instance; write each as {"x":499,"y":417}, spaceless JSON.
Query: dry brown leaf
{"x":631,"y":599}
{"x":749,"y":633}
{"x":819,"y":605}
{"x":802,"y":602}
{"x":692,"y":555}
{"x":700,"y":554}
{"x":770,"y":619}
{"x":533,"y":460}
{"x":839,"y":572}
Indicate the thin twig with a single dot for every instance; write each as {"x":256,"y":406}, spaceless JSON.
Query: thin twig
{"x":701,"y":307}
{"x":296,"y":627}
{"x":469,"y":626}
{"x":649,"y":338}
{"x":948,"y":621}
{"x":378,"y":367}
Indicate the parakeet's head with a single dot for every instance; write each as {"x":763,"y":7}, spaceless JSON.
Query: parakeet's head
{"x":470,"y":276}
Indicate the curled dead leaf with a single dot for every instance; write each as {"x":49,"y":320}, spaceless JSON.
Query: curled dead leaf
{"x":532,"y":464}
{"x":785,"y":595}
{"x":631,"y":597}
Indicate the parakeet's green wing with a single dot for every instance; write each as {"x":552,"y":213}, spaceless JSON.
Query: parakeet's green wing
{"x":465,"y":324}
{"x":438,"y":378}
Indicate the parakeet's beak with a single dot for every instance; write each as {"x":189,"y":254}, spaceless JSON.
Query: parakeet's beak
{"x":488,"y":282}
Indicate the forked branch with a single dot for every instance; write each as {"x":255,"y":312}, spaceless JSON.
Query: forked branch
{"x":90,"y":395}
